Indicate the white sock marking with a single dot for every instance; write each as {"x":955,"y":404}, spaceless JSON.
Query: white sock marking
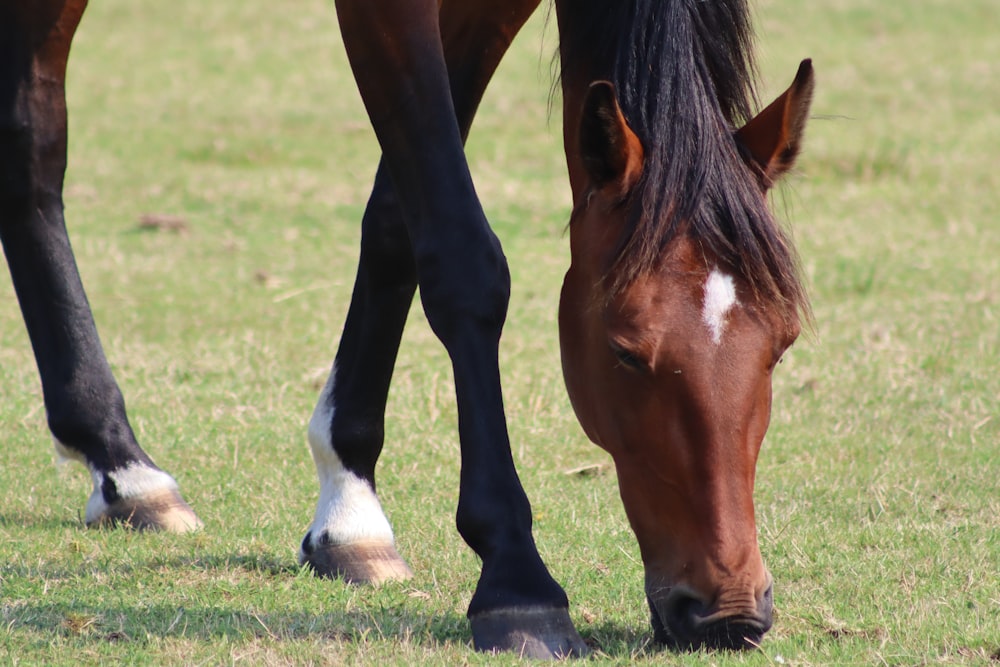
{"x":348,"y":510}
{"x":720,"y":297}
{"x":133,"y":481}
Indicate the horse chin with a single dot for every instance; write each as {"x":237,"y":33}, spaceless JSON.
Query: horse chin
{"x":660,"y":633}
{"x":685,"y":629}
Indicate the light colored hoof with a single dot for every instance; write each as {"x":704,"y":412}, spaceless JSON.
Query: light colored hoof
{"x":161,"y":510}
{"x":358,"y":563}
{"x":541,"y":633}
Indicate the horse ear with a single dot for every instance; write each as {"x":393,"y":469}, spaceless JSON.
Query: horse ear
{"x":774,"y":136}
{"x":612,"y":153}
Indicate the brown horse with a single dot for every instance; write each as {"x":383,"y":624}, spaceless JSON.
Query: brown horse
{"x":680,"y":299}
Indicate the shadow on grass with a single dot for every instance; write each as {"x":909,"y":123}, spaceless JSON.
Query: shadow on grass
{"x":141,"y":624}
{"x":261,"y":564}
{"x":264,"y":565}
{"x":34,"y":520}
{"x":388,"y":617}
{"x":620,"y":642}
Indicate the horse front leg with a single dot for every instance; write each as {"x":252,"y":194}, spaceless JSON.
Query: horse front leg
{"x":350,"y":537}
{"x":399,"y":60}
{"x":84,"y":406}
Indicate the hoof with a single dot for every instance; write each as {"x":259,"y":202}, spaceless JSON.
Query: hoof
{"x":164,"y":510}
{"x":544,"y":633}
{"x":358,"y":563}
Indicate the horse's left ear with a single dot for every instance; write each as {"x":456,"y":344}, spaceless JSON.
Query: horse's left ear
{"x":612,"y":153}
{"x":773,"y":137}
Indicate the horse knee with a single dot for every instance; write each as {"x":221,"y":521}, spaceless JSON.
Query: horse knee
{"x":464,"y":286}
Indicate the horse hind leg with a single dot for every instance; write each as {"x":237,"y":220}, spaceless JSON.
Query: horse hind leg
{"x":85,"y":409}
{"x":350,"y":538}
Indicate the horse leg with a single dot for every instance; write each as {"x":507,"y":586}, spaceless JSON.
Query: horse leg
{"x":350,"y":538}
{"x":396,"y":51}
{"x":85,"y":409}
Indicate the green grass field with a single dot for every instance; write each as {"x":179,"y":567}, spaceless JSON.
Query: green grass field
{"x":878,"y":494}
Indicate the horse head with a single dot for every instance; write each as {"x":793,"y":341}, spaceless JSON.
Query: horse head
{"x":668,"y":363}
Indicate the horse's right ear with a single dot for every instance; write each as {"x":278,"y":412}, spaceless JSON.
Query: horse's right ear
{"x":612,"y":153}
{"x":774,"y":136}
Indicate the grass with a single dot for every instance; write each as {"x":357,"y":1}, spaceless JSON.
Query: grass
{"x":878,"y":495}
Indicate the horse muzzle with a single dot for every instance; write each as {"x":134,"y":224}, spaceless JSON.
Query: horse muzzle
{"x":683,"y":620}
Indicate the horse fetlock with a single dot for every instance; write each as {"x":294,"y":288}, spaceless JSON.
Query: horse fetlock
{"x":140,"y":497}
{"x":350,"y":537}
{"x":348,"y":514}
{"x":94,"y":430}
{"x":496,"y":523}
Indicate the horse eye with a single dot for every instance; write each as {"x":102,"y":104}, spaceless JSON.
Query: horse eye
{"x":627,"y":359}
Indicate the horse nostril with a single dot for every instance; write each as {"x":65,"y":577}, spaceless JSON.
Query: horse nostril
{"x":681,"y":614}
{"x":684,"y":621}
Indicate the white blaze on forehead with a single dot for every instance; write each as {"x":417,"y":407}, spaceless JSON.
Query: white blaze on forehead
{"x":720,"y":297}
{"x":348,"y":510}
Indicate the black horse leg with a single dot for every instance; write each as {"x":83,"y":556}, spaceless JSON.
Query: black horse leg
{"x":85,"y":409}
{"x":396,"y":50}
{"x":350,"y":537}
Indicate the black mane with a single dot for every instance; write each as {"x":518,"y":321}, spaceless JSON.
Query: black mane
{"x":684,"y":74}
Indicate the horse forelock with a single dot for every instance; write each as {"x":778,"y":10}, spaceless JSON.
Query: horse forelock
{"x":684,"y":74}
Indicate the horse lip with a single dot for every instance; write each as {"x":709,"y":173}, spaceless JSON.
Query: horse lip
{"x":739,"y":633}
{"x":723,"y":617}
